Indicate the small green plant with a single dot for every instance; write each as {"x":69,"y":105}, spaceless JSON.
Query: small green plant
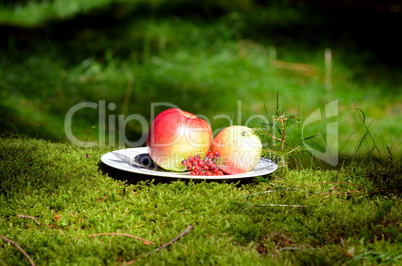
{"x":280,"y":134}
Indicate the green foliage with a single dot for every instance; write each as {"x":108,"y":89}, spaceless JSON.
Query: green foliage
{"x":37,"y":13}
{"x":73,"y":195}
{"x":282,"y":139}
{"x":274,"y":133}
{"x":203,"y":59}
{"x":384,"y":178}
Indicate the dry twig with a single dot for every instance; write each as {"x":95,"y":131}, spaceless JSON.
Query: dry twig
{"x":275,"y":205}
{"x":185,"y":232}
{"x":19,"y":248}
{"x":30,"y":217}
{"x":119,"y":234}
{"x":331,"y":190}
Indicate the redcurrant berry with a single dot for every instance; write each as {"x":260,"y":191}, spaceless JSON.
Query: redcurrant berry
{"x":210,"y":155}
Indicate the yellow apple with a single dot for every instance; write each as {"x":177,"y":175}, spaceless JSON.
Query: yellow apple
{"x":239,"y":147}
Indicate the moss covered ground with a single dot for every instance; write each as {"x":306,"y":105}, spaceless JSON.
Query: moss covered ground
{"x":350,"y":216}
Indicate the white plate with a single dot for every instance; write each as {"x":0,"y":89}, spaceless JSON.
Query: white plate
{"x":264,"y":166}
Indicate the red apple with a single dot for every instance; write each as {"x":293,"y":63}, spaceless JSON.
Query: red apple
{"x":240,"y":149}
{"x":176,"y":134}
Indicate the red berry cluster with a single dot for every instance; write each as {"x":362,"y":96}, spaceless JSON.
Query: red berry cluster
{"x":203,"y":167}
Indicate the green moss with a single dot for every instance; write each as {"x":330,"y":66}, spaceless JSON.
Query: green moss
{"x":72,"y":195}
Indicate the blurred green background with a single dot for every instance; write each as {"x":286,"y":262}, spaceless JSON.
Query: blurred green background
{"x":210,"y":58}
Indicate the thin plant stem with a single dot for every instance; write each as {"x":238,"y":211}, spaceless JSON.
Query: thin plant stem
{"x":29,"y":217}
{"x":19,"y":248}
{"x":185,"y":232}
{"x":119,"y":234}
